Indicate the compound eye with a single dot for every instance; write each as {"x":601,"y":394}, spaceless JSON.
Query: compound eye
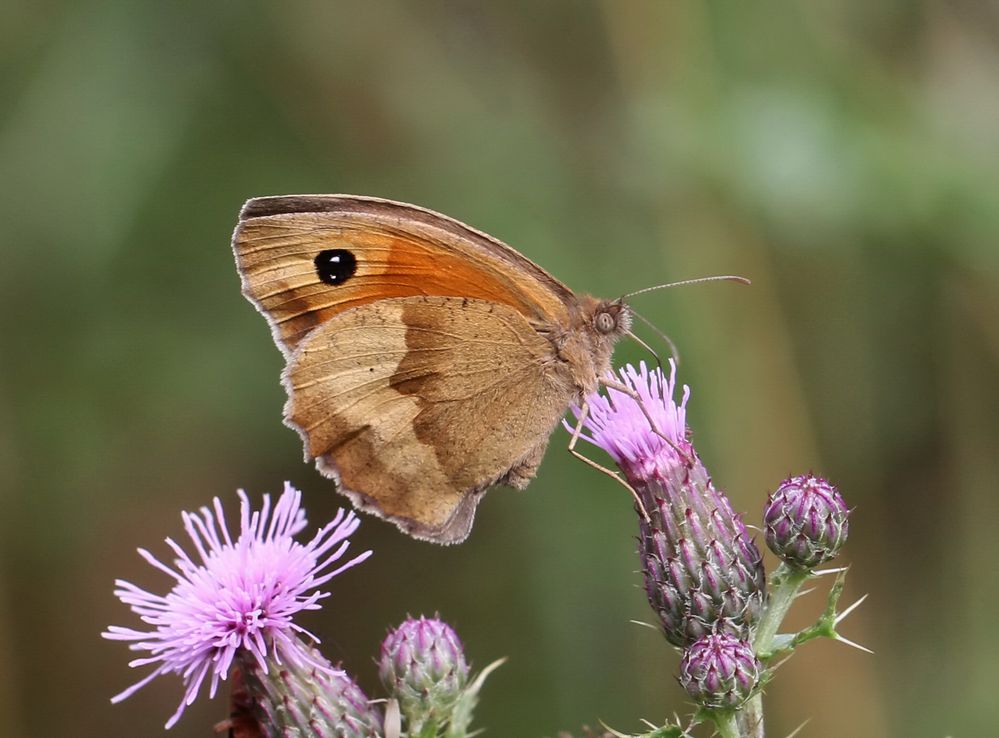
{"x":605,"y":323}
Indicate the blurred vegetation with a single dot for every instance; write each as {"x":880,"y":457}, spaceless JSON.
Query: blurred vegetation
{"x":842,"y":154}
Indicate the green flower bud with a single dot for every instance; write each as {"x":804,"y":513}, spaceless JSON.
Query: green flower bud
{"x":423,"y":666}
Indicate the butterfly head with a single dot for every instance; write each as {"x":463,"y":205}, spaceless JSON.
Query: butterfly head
{"x":587,"y":346}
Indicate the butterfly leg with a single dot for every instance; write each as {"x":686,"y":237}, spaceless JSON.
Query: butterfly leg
{"x":615,"y":385}
{"x":583,"y":413}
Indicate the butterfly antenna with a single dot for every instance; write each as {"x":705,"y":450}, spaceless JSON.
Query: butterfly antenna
{"x":666,"y":339}
{"x":685,"y":282}
{"x":682,"y":283}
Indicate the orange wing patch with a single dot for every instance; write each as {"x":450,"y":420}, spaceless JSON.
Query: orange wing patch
{"x":276,"y":258}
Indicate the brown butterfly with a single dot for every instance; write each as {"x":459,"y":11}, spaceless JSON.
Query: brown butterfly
{"x":426,"y":361}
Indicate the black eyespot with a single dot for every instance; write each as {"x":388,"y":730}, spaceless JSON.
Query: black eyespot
{"x":335,"y":266}
{"x":605,"y":322}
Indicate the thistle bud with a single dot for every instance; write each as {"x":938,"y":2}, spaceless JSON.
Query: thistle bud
{"x":423,"y":666}
{"x":719,"y":671}
{"x":703,"y":572}
{"x":806,"y":521}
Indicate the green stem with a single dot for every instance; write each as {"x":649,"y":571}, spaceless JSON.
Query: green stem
{"x":727,"y":724}
{"x":786,"y":582}
{"x":751,"y":717}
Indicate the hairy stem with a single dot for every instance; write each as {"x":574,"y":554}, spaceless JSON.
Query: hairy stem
{"x":727,"y":724}
{"x":751,"y":718}
{"x":785,"y":582}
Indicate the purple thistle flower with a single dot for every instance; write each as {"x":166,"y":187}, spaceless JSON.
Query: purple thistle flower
{"x":617,"y":424}
{"x":703,"y":572}
{"x":237,"y":597}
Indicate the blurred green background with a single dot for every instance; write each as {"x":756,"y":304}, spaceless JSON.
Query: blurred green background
{"x":843,"y":155}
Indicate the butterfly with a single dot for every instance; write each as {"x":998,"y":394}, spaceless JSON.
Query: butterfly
{"x":426,"y":361}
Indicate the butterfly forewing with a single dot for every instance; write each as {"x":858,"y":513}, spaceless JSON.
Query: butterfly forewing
{"x":395,"y":250}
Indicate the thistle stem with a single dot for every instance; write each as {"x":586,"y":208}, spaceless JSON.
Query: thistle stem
{"x":727,"y":724}
{"x":786,"y":582}
{"x":751,"y":718}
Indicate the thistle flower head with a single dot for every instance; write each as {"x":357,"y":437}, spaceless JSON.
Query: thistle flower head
{"x":806,"y":521}
{"x":423,"y":666}
{"x":235,"y":596}
{"x":719,"y":671}
{"x":618,"y":425}
{"x":703,"y":572}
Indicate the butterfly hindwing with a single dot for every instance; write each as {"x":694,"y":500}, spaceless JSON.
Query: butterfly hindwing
{"x":417,"y":405}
